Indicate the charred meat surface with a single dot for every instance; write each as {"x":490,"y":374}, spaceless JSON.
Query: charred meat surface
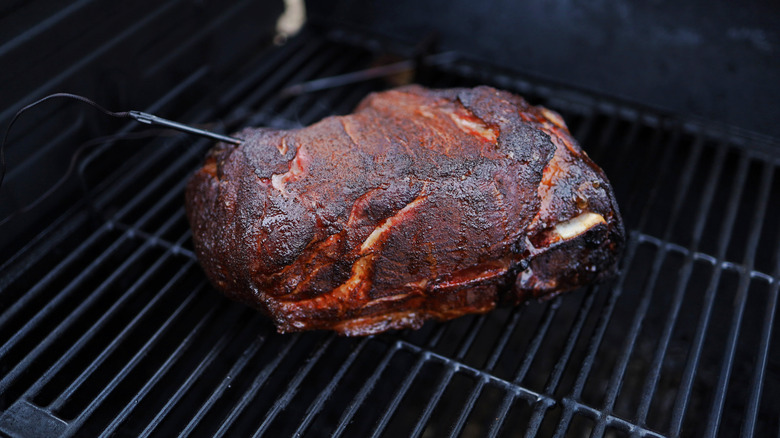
{"x":421,"y":204}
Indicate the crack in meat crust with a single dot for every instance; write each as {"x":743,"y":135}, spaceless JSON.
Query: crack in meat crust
{"x":421,"y":204}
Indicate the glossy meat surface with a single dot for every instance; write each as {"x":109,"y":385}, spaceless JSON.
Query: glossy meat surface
{"x":421,"y":204}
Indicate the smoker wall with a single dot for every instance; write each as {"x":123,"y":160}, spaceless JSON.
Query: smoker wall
{"x":718,"y":60}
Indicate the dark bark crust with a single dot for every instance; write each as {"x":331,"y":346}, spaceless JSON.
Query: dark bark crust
{"x":421,"y":204}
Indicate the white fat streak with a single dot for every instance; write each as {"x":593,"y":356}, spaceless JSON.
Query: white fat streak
{"x":554,"y":117}
{"x":578,"y":225}
{"x":282,"y":146}
{"x":387,"y":224}
{"x":388,"y":298}
{"x":472,"y":125}
{"x":419,"y":283}
{"x":359,"y":273}
{"x":277,"y":182}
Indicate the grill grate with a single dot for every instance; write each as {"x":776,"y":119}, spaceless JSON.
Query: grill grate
{"x":109,"y":327}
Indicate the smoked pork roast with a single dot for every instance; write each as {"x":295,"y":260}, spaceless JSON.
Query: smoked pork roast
{"x":422,"y":204}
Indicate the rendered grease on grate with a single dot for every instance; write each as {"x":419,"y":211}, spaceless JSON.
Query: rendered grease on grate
{"x":422,"y":204}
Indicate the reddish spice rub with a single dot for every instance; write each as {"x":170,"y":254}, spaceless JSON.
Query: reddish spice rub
{"x":422,"y":204}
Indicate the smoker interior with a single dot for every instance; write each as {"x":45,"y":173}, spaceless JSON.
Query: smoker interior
{"x":109,"y":327}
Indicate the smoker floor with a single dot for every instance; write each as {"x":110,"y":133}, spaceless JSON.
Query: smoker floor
{"x":108,"y":326}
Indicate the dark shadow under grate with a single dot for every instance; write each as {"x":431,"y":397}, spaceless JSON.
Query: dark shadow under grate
{"x":109,"y":327}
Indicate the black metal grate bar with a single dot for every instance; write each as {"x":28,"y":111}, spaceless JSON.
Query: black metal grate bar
{"x":630,"y":342}
{"x":98,"y":325}
{"x":498,"y":349}
{"x":95,"y":54}
{"x":399,"y":394}
{"x":84,"y":305}
{"x":687,"y":380}
{"x":43,"y":26}
{"x":620,"y":423}
{"x":21,"y":366}
{"x":701,"y":256}
{"x":273,"y":64}
{"x":251,"y":391}
{"x":139,"y":355}
{"x":741,"y":298}
{"x":406,"y":384}
{"x":520,"y":391}
{"x":181,"y":390}
{"x":658,"y":357}
{"x":688,"y":264}
{"x":759,"y":374}
{"x":39,"y":287}
{"x":115,"y":343}
{"x":596,"y":340}
{"x":316,"y":405}
{"x":687,"y":178}
{"x":66,"y":292}
{"x":237,"y":368}
{"x":63,"y":227}
{"x":365,"y":390}
{"x":285,"y":398}
{"x":46,"y":150}
{"x":266,"y":89}
{"x":25,"y":300}
{"x":751,"y":410}
{"x":166,"y":366}
{"x":445,"y":380}
{"x":560,"y":365}
{"x":503,"y":410}
{"x":213,"y":25}
{"x":124,"y":179}
{"x":645,"y":204}
{"x":643,"y":201}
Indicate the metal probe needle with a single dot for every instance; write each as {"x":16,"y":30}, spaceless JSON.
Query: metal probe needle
{"x":151,"y":119}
